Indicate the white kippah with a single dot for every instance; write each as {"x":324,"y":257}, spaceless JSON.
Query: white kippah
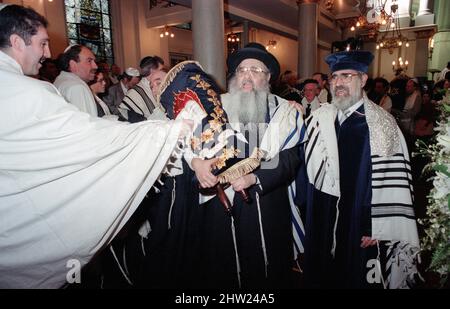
{"x":69,"y":47}
{"x":132,"y":72}
{"x":3,"y":5}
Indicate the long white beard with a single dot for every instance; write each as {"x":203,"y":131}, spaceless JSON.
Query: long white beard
{"x":248,"y":107}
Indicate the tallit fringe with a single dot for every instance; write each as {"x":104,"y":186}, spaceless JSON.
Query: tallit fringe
{"x":172,"y":203}
{"x":261,"y":231}
{"x":238,"y":265}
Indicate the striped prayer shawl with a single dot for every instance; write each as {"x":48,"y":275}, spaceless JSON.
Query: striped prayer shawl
{"x":289,"y":132}
{"x":138,"y":101}
{"x":286,"y":130}
{"x":400,"y":270}
{"x":392,"y":213}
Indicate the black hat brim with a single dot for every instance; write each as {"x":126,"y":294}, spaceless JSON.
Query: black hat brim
{"x":254,"y":53}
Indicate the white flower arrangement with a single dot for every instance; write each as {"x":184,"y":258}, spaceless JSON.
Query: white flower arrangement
{"x":437,"y":222}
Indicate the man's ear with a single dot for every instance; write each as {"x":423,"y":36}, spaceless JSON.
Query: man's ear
{"x":268,"y":77}
{"x":364,"y":78}
{"x":17,"y":42}
{"x":72,"y":65}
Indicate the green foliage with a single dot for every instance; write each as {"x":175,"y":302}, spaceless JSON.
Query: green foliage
{"x":437,"y":221}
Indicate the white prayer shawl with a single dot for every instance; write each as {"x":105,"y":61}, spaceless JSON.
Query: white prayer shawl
{"x":323,"y":96}
{"x":285,"y":130}
{"x":315,"y":104}
{"x":105,"y":109}
{"x":68,"y":181}
{"x":102,"y":105}
{"x":393,"y":217}
{"x":76,"y":92}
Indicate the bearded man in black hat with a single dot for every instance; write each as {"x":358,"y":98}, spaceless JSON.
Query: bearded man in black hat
{"x":252,"y":246}
{"x":360,"y":224}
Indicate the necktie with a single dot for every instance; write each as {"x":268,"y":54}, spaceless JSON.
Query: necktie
{"x":308,"y":110}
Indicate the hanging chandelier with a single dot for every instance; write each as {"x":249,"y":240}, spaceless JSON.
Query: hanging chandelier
{"x":232,"y":38}
{"x":400,"y":64}
{"x":166,"y":33}
{"x":373,"y":16}
{"x":392,"y":37}
{"x":272,"y":44}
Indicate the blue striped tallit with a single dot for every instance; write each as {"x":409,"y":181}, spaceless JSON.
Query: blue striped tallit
{"x":293,"y":134}
{"x":298,"y":229}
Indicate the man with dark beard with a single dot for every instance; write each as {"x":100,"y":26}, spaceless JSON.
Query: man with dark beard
{"x":360,"y":225}
{"x":252,"y":246}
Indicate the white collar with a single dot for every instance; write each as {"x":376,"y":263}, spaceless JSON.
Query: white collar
{"x":345,"y":114}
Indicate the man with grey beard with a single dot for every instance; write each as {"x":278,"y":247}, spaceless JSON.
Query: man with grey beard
{"x":356,"y":188}
{"x":253,"y":247}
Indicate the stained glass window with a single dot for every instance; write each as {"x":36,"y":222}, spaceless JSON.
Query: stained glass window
{"x":89,"y":24}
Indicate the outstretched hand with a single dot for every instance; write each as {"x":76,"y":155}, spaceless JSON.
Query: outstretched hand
{"x":297,"y":106}
{"x":202,"y":169}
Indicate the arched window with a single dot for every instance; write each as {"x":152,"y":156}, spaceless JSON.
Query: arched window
{"x":89,"y":24}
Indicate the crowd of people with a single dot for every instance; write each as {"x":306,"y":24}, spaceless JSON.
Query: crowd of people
{"x":154,"y":178}
{"x":410,"y":100}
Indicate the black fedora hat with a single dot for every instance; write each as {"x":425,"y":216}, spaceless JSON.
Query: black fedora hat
{"x":254,"y":51}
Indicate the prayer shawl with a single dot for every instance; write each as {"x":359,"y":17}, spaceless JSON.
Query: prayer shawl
{"x":68,"y":181}
{"x":285,"y":130}
{"x":392,"y":213}
{"x":188,"y":92}
{"x":76,"y":92}
{"x":323,"y":96}
{"x":103,"y":110}
{"x":315,"y":104}
{"x":140,"y":100}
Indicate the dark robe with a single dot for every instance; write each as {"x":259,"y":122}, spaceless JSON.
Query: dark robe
{"x":217,"y":256}
{"x":171,"y":251}
{"x":348,"y":267}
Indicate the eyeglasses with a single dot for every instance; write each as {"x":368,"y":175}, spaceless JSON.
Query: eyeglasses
{"x":344,"y":77}
{"x":252,"y":70}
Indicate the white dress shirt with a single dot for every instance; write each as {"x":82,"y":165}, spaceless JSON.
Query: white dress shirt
{"x":343,"y":115}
